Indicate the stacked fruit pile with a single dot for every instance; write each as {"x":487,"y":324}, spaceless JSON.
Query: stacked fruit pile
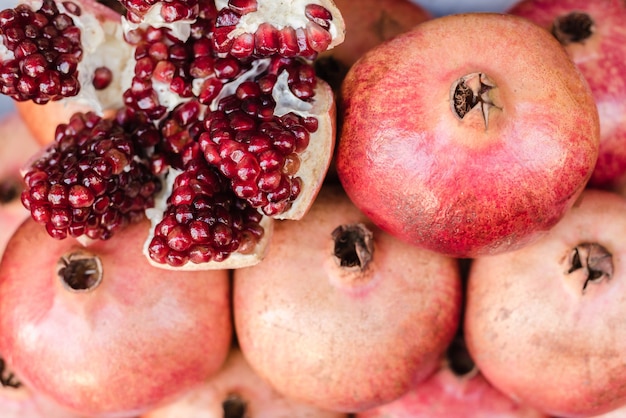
{"x":313,"y":208}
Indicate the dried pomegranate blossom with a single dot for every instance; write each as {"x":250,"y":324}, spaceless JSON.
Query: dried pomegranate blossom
{"x":91,"y":181}
{"x":41,"y":52}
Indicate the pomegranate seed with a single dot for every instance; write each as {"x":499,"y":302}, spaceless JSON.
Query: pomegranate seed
{"x":102,"y":78}
{"x":243,"y":7}
{"x":266,"y":40}
{"x":318,"y":14}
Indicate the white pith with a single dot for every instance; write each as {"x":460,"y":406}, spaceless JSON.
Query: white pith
{"x":286,"y":13}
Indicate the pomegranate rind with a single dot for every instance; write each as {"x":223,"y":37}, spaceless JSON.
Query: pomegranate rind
{"x":316,"y":158}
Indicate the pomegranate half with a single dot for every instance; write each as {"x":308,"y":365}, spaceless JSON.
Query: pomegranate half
{"x":342,"y":315}
{"x":471,"y":134}
{"x":234,"y":120}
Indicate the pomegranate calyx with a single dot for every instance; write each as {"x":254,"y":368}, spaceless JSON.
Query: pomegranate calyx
{"x":80,"y":271}
{"x":353,"y":246}
{"x":470,"y":91}
{"x":7,"y":377}
{"x":595,"y":261}
{"x":574,"y":27}
{"x":459,"y":359}
{"x":234,"y":406}
{"x":9,"y":190}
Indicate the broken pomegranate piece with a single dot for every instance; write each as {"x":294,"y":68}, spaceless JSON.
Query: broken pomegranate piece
{"x":93,"y":180}
{"x":226,"y":138}
{"x":55,"y":50}
{"x":204,"y":221}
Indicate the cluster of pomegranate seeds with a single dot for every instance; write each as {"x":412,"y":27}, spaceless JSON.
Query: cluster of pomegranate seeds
{"x":43,"y":49}
{"x":258,"y":155}
{"x":204,"y":220}
{"x":171,"y":10}
{"x":185,"y":68}
{"x":91,"y":181}
{"x":268,"y":40}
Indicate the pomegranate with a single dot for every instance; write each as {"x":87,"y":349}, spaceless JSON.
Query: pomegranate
{"x":594,"y":35}
{"x":359,"y":315}
{"x":458,"y":389}
{"x":541,"y":322}
{"x":232,"y":116}
{"x":432,"y":123}
{"x":16,"y":147}
{"x":237,"y":392}
{"x":102,"y":333}
{"x":369,"y":23}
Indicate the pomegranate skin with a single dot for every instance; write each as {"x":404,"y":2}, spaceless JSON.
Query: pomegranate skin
{"x":371,"y":23}
{"x":600,"y":58}
{"x":337,"y":337}
{"x":140,"y":337}
{"x":448,"y":395}
{"x":540,"y":330}
{"x":237,"y":388}
{"x":482,"y":184}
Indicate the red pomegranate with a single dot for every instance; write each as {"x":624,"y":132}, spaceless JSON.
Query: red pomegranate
{"x":466,"y":141}
{"x":369,"y":23}
{"x":542,"y":322}
{"x":594,"y":35}
{"x":342,"y":315}
{"x":100,"y":331}
{"x":237,"y":392}
{"x":457,"y":389}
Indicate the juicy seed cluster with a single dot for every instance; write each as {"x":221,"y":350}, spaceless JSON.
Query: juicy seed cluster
{"x":171,"y":10}
{"x":42,"y":52}
{"x":182,"y":68}
{"x":91,"y":181}
{"x":204,"y":220}
{"x":268,"y":40}
{"x":259,"y":154}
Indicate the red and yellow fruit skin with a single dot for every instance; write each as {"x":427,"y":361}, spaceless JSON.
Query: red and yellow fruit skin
{"x":600,"y":58}
{"x":139,"y":338}
{"x":337,"y":338}
{"x":454,"y":185}
{"x":536,"y":334}
{"x":447,"y":395}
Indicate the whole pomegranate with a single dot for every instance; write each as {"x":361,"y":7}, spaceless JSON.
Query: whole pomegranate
{"x":237,"y":392}
{"x":594,"y":35}
{"x":16,"y":147}
{"x":342,"y":315}
{"x":457,"y":389}
{"x":543,"y":322}
{"x":100,"y":331}
{"x":369,"y":23}
{"x":219,"y":100}
{"x":464,"y":141}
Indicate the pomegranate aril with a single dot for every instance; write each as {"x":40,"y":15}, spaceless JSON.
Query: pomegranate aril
{"x":319,"y":15}
{"x":92,"y":166}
